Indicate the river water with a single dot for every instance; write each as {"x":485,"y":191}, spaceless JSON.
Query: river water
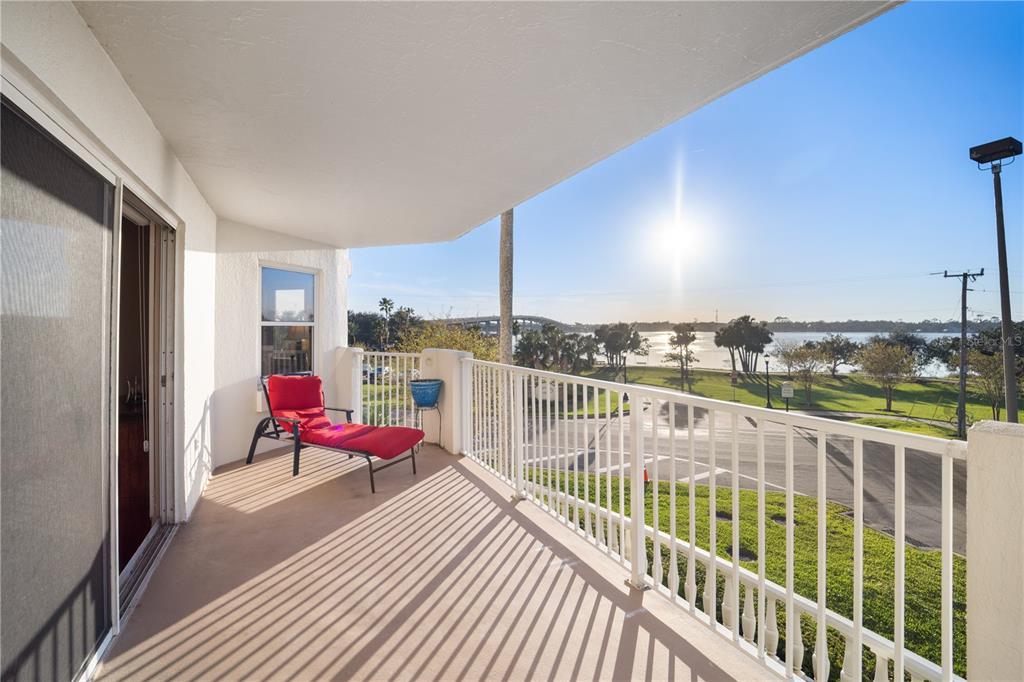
{"x":711,"y":356}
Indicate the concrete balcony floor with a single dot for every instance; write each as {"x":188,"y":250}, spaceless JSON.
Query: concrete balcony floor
{"x":440,"y":576}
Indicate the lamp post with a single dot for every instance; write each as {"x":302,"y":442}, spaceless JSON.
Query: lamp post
{"x":994,"y":153}
{"x":767,"y":384}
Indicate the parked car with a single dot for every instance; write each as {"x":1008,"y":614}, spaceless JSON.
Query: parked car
{"x":373,"y":375}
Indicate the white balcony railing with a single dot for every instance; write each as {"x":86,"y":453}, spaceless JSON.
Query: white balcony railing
{"x":385,"y":398}
{"x":577,"y":448}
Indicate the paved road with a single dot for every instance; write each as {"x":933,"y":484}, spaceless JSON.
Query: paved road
{"x":923,"y":470}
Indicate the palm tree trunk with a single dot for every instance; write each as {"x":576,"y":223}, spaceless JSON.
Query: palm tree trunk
{"x":505,"y":289}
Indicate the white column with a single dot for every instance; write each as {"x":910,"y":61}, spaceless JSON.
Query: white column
{"x":995,"y":551}
{"x":447,"y":366}
{"x":348,"y":380}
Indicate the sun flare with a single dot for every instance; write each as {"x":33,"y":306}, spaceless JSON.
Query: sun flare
{"x":679,"y":242}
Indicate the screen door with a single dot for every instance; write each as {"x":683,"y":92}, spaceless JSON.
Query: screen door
{"x":55,"y":256}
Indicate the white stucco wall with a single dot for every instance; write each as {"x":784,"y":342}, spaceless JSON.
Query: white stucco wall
{"x":241,"y":249}
{"x":48,"y":47}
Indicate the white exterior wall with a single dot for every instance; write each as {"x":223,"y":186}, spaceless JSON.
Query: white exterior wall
{"x":241,"y":249}
{"x":49,"y":51}
{"x":995,"y":551}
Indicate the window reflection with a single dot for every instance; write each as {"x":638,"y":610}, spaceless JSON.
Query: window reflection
{"x":287,"y":296}
{"x":287,"y":349}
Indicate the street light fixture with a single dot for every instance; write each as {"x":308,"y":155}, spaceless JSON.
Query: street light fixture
{"x":767,"y":384}
{"x":994,"y":154}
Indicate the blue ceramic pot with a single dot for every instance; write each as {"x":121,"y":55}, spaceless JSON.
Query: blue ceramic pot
{"x":425,"y":392}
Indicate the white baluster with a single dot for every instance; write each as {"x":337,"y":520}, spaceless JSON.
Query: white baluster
{"x":749,"y":618}
{"x":771,"y":629}
{"x":819,"y":660}
{"x":711,"y":591}
{"x":673,"y":577}
{"x":657,"y":572}
{"x":690,"y":591}
{"x":586,"y":461}
{"x":613,"y":537}
{"x":847,"y":674}
{"x":728,"y":604}
{"x":881,"y":668}
{"x":798,"y":641}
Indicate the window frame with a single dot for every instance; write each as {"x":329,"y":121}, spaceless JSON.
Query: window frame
{"x":315,"y":336}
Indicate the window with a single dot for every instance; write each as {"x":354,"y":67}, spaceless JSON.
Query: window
{"x":286,"y":321}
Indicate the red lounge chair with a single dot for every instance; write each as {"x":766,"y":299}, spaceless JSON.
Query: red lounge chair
{"x":297,"y":412}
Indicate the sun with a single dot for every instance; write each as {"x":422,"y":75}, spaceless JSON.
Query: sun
{"x":679,"y":241}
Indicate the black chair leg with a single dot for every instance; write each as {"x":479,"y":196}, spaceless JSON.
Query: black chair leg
{"x":257,"y":434}
{"x":373,"y":488}
{"x":413,"y":458}
{"x":298,"y":446}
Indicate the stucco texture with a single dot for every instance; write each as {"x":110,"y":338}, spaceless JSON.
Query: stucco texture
{"x":241,"y":249}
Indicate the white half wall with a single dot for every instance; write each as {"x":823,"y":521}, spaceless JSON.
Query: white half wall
{"x":241,"y":249}
{"x":56,"y":62}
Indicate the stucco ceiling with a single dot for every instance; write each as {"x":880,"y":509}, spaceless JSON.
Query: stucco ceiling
{"x":360,"y":124}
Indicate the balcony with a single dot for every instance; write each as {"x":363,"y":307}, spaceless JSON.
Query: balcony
{"x":519,"y":557}
{"x":437,"y":577}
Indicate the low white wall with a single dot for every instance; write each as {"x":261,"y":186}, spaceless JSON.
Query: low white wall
{"x":348,"y":381}
{"x":446,"y":428}
{"x":995,"y":551}
{"x":48,"y":46}
{"x":241,"y":249}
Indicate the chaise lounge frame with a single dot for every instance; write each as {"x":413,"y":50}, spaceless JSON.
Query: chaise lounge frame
{"x":270,"y":427}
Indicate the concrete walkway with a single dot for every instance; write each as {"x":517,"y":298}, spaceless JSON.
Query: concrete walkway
{"x":437,"y":577}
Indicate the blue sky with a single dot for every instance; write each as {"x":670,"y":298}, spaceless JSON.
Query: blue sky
{"x":827,"y":189}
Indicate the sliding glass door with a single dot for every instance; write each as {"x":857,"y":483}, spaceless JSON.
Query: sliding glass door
{"x":55,"y":243}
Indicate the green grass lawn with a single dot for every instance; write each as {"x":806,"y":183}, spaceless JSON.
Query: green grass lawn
{"x":595,"y":407}
{"x":923,"y":577}
{"x":924,"y":399}
{"x":922,"y":428}
{"x":380,"y":400}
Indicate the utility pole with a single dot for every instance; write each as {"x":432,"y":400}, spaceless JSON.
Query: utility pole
{"x":961,"y":405}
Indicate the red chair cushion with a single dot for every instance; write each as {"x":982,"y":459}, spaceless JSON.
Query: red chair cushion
{"x":334,"y":435}
{"x":384,"y":442}
{"x":294,"y":393}
{"x":313,"y":418}
{"x":297,"y":397}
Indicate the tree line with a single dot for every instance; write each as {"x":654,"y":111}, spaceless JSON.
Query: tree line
{"x":402,"y":330}
{"x":900,"y":356}
{"x":886,"y":359}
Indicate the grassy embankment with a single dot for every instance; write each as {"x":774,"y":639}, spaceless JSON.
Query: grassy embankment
{"x":924,"y":399}
{"x":923,"y":577}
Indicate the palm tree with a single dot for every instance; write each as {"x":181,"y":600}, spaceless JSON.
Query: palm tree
{"x":683,"y":335}
{"x":530,"y":350}
{"x":553,"y":339}
{"x":386,"y":305}
{"x":578,"y":353}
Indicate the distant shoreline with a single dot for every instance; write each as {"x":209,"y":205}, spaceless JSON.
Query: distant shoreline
{"x":777,"y":325}
{"x":852,"y":327}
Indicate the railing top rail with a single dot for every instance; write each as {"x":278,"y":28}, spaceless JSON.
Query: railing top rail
{"x":390,"y":353}
{"x":930,"y":444}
